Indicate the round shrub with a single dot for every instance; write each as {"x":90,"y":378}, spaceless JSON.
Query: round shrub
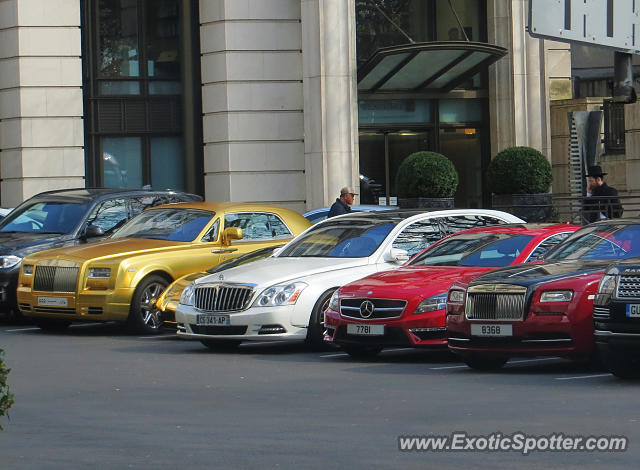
{"x":519,"y":170}
{"x":426,"y":174}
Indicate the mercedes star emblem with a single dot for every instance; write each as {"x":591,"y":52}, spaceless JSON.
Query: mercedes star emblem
{"x":366,"y":309}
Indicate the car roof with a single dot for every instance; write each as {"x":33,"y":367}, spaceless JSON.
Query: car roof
{"x":397,"y":215}
{"x":360,"y":208}
{"x":231,"y":206}
{"x":81,"y":195}
{"x":534,"y":229}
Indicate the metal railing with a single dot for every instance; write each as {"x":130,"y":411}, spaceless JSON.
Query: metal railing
{"x":580,"y":210}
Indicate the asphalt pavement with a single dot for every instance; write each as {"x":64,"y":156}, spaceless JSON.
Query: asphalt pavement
{"x":95,"y":396}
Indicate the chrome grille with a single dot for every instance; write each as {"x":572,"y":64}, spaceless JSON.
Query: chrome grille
{"x":222,"y":298}
{"x":382,"y":308}
{"x":55,"y":279}
{"x":496,"y":302}
{"x":601,"y":313}
{"x":629,"y":285}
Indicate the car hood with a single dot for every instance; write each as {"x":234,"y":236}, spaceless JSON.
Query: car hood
{"x":270,"y":271}
{"x":422,"y":281}
{"x":120,"y":247}
{"x":531,"y":274}
{"x":22,"y":243}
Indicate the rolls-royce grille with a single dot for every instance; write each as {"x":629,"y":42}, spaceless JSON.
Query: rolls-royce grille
{"x":496,"y":302}
{"x":369,"y":308}
{"x":222,"y":298}
{"x":629,"y":286}
{"x":55,"y":279}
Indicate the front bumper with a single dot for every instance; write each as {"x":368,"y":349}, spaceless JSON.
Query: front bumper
{"x":425,"y":330}
{"x":537,"y":335}
{"x":253,"y":324}
{"x":99,"y":305}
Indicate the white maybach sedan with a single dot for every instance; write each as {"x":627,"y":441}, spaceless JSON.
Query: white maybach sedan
{"x":284,"y":296}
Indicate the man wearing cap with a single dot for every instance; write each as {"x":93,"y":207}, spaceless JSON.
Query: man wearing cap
{"x":601,"y":208}
{"x":343,"y":203}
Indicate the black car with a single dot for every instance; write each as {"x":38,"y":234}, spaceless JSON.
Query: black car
{"x":55,"y":219}
{"x":616,"y":319}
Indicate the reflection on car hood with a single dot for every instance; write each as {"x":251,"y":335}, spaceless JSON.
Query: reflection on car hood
{"x":270,"y":271}
{"x":529,"y":274}
{"x":23,"y":243}
{"x":112,"y":247}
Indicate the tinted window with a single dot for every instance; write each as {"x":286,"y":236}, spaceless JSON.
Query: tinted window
{"x":455,"y":223}
{"x":419,"y":235}
{"x":45,"y":217}
{"x":340,"y":239}
{"x":257,"y":225}
{"x":109,"y":214}
{"x":140,"y":203}
{"x":477,"y":249}
{"x":601,"y":241}
{"x":174,"y":224}
{"x":543,"y":248}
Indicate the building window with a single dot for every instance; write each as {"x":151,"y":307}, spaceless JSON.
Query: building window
{"x":137,"y":59}
{"x":613,"y":127}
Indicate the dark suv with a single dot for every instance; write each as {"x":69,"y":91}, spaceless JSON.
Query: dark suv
{"x":616,"y":319}
{"x":67,"y":217}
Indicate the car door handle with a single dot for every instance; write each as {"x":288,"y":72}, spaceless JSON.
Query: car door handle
{"x":224,"y":250}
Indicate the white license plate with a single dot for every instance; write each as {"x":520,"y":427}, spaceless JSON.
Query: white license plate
{"x":206,"y":319}
{"x":365,"y":330}
{"x":53,"y":301}
{"x":633,"y":310}
{"x":492,"y":330}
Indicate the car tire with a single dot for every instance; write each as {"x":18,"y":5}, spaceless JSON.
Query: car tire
{"x":51,"y":324}
{"x":362,"y":352}
{"x":221,"y":345}
{"x":144,"y":318}
{"x":316,"y":321}
{"x":485,"y":362}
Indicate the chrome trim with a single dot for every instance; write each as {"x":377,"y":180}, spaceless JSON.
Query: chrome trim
{"x":223,"y":297}
{"x":346,"y":310}
{"x":610,"y":334}
{"x":627,"y":286}
{"x":458,"y":339}
{"x":558,"y":340}
{"x":507,"y":299}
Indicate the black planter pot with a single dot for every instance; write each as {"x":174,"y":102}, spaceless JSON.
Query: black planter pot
{"x":530,"y":207}
{"x":426,"y":202}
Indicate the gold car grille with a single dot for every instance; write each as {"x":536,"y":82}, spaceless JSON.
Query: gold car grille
{"x":222,"y":298}
{"x":55,"y":279}
{"x":496,"y":302}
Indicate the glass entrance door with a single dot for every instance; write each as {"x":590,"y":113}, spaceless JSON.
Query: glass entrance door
{"x":382,"y":152}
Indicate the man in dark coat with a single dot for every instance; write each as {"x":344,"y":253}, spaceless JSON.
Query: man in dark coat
{"x":343,"y":203}
{"x":601,"y":207}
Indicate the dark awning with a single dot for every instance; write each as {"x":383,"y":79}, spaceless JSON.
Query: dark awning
{"x":428,"y":66}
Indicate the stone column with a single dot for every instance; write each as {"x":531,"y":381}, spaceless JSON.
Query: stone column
{"x":41,"y":127}
{"x":252,"y":101}
{"x":330,"y":99}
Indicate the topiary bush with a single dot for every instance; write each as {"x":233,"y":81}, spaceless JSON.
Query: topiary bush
{"x":6,"y":399}
{"x":426,"y":174}
{"x":519,"y":170}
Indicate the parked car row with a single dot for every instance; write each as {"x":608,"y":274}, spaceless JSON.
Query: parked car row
{"x":482,"y":283}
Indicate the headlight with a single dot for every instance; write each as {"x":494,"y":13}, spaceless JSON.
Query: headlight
{"x":27,"y":269}
{"x":283,"y":294}
{"x":556,"y":296}
{"x":334,"y":303}
{"x":433,"y":303}
{"x":456,"y":296}
{"x":9,"y":261}
{"x":99,"y":273}
{"x":188,"y":294}
{"x":607,"y":284}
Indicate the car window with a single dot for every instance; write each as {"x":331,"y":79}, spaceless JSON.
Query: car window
{"x":212,"y":233}
{"x":139,"y":203}
{"x":600,"y":241}
{"x":418,"y":235}
{"x":45,"y":217}
{"x":109,"y":214}
{"x":175,"y":224}
{"x":455,"y":223}
{"x":257,"y":225}
{"x":544,"y":247}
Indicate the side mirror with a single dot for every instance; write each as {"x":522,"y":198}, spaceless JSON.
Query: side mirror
{"x":231,"y":233}
{"x":93,"y":231}
{"x":396,"y":255}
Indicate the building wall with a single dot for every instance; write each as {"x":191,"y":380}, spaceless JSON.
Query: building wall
{"x":41,"y":127}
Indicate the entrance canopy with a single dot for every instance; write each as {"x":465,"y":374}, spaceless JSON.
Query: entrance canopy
{"x":429,"y":66}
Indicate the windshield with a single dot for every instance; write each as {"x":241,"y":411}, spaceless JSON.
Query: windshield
{"x":180,"y":225}
{"x":476,"y":249}
{"x":340,"y":239}
{"x":45,"y":217}
{"x":601,"y":241}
